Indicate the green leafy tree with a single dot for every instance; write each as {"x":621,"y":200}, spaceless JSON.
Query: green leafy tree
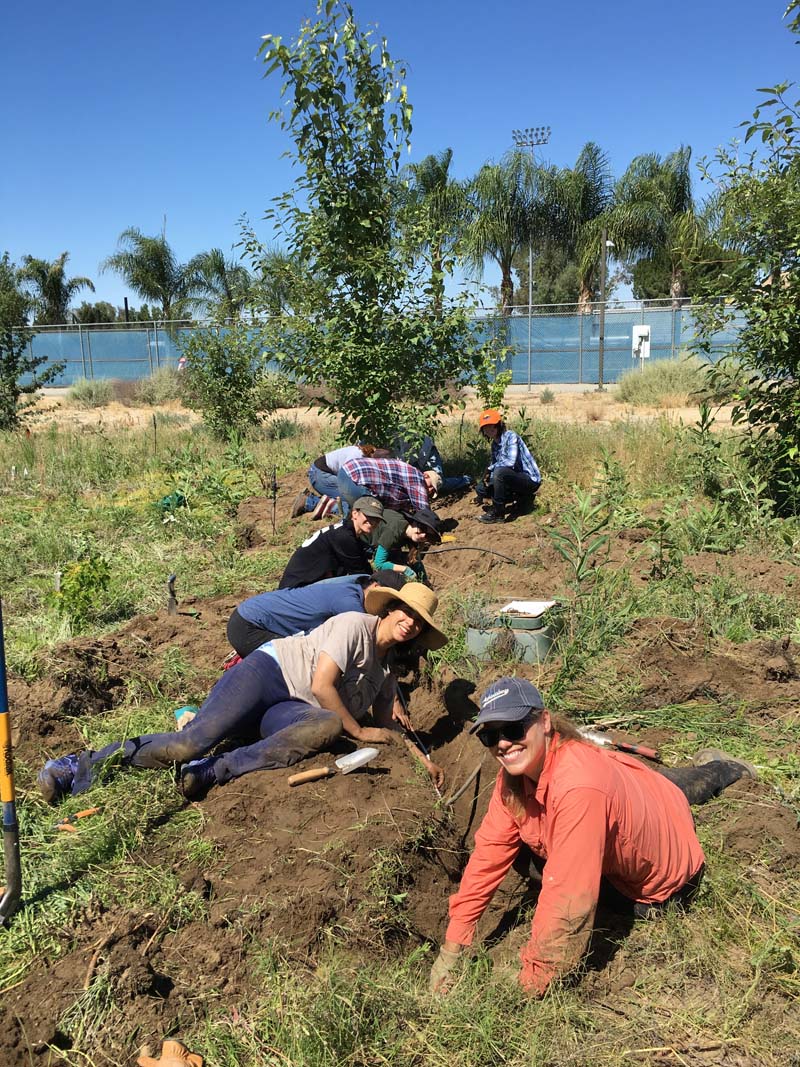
{"x":220,"y":287}
{"x":364,"y":322}
{"x":223,"y":378}
{"x":759,"y":211}
{"x":50,"y":289}
{"x":151,"y":268}
{"x":16,"y":360}
{"x":98,"y":312}
{"x":555,"y":276}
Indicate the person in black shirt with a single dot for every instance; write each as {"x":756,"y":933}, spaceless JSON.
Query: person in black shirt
{"x":336,"y":550}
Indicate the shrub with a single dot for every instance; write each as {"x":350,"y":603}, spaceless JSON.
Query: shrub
{"x":547,"y":396}
{"x":224,"y":375}
{"x":91,"y":393}
{"x":163,"y":385}
{"x":673,"y":379}
{"x":275,"y":390}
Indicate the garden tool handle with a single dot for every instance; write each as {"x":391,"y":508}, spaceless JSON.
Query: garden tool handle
{"x":311,"y":776}
{"x":638,"y":750}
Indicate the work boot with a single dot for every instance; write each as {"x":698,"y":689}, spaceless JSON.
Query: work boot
{"x":299,"y":505}
{"x":197,"y":777}
{"x":716,"y":755}
{"x":56,"y":777}
{"x":492,"y":517}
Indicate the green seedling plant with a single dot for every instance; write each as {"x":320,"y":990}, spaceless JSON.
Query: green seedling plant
{"x":83,"y":587}
{"x":587,"y":522}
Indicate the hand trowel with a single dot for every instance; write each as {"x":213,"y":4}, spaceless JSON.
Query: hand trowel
{"x":344,"y":764}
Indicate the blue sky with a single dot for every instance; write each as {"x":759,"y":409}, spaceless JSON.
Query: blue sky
{"x":121,"y":115}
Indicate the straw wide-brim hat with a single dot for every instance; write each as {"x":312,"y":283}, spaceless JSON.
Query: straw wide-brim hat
{"x":422,"y":600}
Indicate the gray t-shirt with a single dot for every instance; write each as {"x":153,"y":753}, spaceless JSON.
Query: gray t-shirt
{"x":349,"y":640}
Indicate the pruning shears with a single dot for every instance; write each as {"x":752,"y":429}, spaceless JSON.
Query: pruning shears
{"x":69,"y":821}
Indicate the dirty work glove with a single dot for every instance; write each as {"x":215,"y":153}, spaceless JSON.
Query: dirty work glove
{"x":173,"y":1054}
{"x":442,"y":977}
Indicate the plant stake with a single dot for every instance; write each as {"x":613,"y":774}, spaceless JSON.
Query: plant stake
{"x":13,"y":889}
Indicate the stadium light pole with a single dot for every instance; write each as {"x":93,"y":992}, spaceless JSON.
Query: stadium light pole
{"x":530,"y":137}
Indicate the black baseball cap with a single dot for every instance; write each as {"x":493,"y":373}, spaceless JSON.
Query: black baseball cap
{"x":508,"y":700}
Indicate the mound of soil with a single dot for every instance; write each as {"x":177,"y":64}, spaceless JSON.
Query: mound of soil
{"x":369,"y":858}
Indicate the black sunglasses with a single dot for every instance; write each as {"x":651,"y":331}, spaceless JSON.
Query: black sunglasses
{"x":505,"y":731}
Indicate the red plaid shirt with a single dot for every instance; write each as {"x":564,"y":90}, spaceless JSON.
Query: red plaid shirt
{"x":395,"y":483}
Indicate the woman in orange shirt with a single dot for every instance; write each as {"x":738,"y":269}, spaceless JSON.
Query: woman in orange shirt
{"x":590,"y":814}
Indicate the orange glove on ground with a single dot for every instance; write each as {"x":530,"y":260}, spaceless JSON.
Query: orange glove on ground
{"x":173,"y":1054}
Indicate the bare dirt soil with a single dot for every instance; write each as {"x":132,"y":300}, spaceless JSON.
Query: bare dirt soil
{"x":297,"y":865}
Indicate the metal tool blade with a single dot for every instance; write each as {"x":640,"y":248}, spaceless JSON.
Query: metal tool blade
{"x":353,"y":760}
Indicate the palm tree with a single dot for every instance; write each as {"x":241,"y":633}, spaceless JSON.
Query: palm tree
{"x":220,"y":287}
{"x":50,"y":290}
{"x":655,"y":195}
{"x":151,"y":269}
{"x":503,"y":207}
{"x":579,"y":202}
{"x":438,"y":201}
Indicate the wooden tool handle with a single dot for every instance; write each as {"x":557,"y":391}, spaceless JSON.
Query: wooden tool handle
{"x":638,"y":750}
{"x":311,"y":776}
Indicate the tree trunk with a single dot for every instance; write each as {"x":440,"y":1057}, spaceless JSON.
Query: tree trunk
{"x":585,"y":297}
{"x":507,"y":291}
{"x":677,"y":287}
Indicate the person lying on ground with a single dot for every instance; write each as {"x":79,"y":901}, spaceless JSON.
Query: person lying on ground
{"x":595,"y":817}
{"x":292,"y":698}
{"x":512,"y":478}
{"x":285,"y":612}
{"x":426,"y":457}
{"x":337,"y":550}
{"x":322,"y":476}
{"x":396,"y":484}
{"x":400,"y":539}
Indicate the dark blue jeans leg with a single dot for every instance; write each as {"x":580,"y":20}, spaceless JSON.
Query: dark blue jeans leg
{"x":349,"y":491}
{"x":324,"y":484}
{"x":235,"y":705}
{"x":456,"y":483}
{"x":290,"y":731}
{"x":510,"y":485}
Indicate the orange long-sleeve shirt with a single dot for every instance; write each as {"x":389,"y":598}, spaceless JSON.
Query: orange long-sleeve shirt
{"x":592,"y":813}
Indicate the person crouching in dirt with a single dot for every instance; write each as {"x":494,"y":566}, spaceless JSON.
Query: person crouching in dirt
{"x":400,"y":539}
{"x":396,"y":484}
{"x":322,"y":475}
{"x":294,"y":697}
{"x":512,"y":478}
{"x":596,"y":818}
{"x":334,"y":551}
{"x":285,"y":612}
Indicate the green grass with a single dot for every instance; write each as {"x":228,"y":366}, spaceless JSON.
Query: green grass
{"x":663,"y":383}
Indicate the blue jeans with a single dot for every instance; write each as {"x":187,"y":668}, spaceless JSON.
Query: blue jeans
{"x":348,"y":490}
{"x":249,"y":700}
{"x":323,"y":484}
{"x":509,"y":486}
{"x":455,"y":483}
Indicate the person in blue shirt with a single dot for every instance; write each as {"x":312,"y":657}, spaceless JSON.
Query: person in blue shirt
{"x":512,"y":478}
{"x":285,"y":612}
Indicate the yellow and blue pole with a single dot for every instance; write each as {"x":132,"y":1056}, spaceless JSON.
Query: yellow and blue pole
{"x":13,"y":869}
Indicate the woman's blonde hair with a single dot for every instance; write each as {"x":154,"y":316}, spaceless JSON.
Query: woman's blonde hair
{"x":511,"y":791}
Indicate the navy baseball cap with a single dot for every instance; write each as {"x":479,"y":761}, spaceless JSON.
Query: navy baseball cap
{"x":508,"y":700}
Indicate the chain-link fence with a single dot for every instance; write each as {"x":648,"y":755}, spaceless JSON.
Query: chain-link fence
{"x":553,"y":344}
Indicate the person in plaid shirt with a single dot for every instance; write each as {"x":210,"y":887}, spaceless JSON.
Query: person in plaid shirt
{"x":396,"y":484}
{"x":512,"y":478}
